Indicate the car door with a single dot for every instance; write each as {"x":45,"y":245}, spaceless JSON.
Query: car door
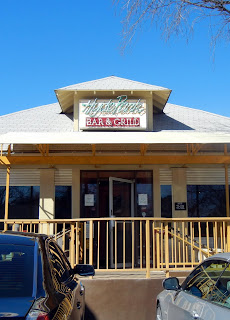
{"x":69,"y":291}
{"x":190,"y":302}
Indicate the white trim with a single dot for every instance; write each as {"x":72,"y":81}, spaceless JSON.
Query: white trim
{"x":114,"y":138}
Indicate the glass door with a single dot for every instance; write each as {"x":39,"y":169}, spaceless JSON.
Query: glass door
{"x":121,"y":204}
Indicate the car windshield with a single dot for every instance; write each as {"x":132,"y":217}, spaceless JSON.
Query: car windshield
{"x":16,"y":270}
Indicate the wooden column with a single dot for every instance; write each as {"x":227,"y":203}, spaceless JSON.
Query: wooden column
{"x":147,"y":245}
{"x":156,"y":193}
{"x":7,"y":196}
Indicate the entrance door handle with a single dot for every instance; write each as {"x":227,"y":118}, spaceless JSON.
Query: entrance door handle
{"x":195,"y":315}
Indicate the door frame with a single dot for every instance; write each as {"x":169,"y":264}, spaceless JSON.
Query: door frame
{"x":111,"y":215}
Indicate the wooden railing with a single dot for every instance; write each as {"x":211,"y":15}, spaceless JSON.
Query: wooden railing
{"x":125,"y":244}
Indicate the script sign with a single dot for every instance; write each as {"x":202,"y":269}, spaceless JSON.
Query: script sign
{"x":119,"y":114}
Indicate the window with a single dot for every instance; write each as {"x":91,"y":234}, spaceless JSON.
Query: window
{"x":202,"y":280}
{"x":60,"y":268}
{"x":144,"y":185}
{"x":63,"y":202}
{"x":221,"y":291}
{"x":166,"y":201}
{"x":206,"y":200}
{"x":16,"y":270}
{"x":23,"y":202}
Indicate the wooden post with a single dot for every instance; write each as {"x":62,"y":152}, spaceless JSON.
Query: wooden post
{"x":147,"y":245}
{"x":77,"y":242}
{"x":167,"y":249}
{"x":72,"y":245}
{"x":7,"y":197}
{"x":91,"y":242}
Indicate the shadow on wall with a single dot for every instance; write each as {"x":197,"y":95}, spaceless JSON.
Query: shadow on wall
{"x":89,"y":314}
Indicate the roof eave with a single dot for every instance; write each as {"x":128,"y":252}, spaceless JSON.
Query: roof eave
{"x":66,"y":105}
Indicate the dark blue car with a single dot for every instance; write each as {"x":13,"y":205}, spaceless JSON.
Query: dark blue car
{"x":37,"y":281}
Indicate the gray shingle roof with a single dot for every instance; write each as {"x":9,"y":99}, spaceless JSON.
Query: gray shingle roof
{"x":48,"y":118}
{"x":112,"y":83}
{"x":183,"y":118}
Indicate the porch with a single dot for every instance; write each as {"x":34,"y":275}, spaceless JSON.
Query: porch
{"x":133,"y":246}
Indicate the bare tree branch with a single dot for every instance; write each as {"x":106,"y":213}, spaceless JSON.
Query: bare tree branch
{"x":174,"y":16}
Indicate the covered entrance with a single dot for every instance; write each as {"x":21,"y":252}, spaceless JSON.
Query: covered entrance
{"x":116,"y":194}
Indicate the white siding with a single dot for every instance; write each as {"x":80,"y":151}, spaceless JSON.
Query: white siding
{"x":165,"y":176}
{"x":206,"y":176}
{"x":63,"y":177}
{"x":197,"y":176}
{"x":31,"y":177}
{"x":21,"y":177}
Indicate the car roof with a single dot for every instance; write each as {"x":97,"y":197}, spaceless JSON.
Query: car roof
{"x":224,"y":255}
{"x":18,"y":238}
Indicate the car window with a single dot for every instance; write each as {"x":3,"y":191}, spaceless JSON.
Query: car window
{"x":202,"y":280}
{"x":59,"y":268}
{"x":221,"y":291}
{"x":16,"y":270}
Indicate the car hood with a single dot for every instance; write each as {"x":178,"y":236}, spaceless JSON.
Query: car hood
{"x":15,"y":307}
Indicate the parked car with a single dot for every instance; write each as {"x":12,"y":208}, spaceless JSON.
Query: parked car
{"x":37,"y":281}
{"x":204,"y":295}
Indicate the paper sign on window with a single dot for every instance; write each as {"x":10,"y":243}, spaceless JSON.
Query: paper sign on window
{"x":89,"y":200}
{"x":142,"y":199}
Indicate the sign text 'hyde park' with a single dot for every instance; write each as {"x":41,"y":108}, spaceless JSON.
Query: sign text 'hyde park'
{"x":121,"y":113}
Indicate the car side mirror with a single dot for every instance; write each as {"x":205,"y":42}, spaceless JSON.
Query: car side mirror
{"x":171,"y":283}
{"x":84,"y":270}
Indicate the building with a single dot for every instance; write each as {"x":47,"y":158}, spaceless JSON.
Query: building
{"x":115,"y":148}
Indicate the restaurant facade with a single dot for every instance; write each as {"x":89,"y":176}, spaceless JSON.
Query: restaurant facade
{"x":115,"y":151}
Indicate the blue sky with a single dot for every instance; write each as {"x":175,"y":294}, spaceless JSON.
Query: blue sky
{"x":49,"y":44}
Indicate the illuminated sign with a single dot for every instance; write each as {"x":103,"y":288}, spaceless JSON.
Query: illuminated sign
{"x":120,"y":113}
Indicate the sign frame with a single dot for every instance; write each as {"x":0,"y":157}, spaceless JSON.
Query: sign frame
{"x":117,"y":114}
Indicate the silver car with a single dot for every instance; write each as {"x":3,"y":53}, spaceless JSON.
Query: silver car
{"x":204,"y":295}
